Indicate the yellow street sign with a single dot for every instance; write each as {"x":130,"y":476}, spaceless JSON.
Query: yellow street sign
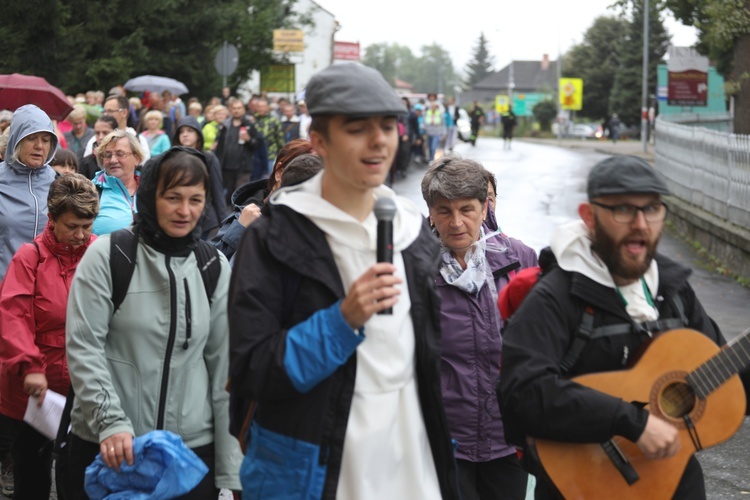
{"x":502,"y":104}
{"x":571,"y":93}
{"x":288,"y":41}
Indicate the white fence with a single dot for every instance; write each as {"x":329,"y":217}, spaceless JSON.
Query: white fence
{"x":707,"y":168}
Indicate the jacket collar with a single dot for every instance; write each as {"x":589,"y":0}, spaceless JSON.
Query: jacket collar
{"x":298,"y":243}
{"x":672,"y":277}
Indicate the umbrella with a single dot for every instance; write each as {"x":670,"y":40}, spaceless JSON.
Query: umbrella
{"x":17,"y":90}
{"x":151,"y":83}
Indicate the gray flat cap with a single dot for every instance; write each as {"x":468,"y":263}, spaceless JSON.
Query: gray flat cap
{"x":353,"y":90}
{"x":625,"y":175}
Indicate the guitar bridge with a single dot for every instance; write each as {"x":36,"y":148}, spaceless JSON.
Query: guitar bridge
{"x":621,"y":462}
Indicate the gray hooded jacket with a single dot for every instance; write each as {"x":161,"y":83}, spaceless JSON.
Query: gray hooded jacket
{"x":23,"y":190}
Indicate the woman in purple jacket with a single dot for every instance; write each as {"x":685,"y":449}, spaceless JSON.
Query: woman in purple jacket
{"x":476,"y":264}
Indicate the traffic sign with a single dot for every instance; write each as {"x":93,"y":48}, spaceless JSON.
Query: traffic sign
{"x":226,"y":59}
{"x":502,"y":103}
{"x":571,"y":93}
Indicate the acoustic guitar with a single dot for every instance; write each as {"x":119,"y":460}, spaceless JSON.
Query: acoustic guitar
{"x":684,"y":378}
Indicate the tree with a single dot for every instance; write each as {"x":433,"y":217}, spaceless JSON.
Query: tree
{"x":596,"y":61}
{"x":392,"y":60}
{"x":481,"y":64}
{"x":724,"y":37}
{"x":626,"y":90}
{"x":431,"y":72}
{"x":545,"y":112}
{"x":96,"y":44}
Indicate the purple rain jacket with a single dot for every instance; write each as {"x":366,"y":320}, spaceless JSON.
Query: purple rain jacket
{"x":470,"y":357}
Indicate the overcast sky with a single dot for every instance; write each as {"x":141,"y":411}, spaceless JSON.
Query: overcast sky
{"x":515,"y":30}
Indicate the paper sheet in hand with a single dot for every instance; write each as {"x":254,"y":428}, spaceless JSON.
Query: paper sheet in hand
{"x":46,"y":419}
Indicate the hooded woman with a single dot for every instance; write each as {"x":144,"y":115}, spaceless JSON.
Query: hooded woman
{"x":25,"y":176}
{"x":190,"y":134}
{"x":172,"y":374}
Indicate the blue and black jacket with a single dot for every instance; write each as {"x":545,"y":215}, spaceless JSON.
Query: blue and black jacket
{"x":284,"y":354}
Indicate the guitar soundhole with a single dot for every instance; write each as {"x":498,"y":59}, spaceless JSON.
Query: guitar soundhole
{"x":677,"y":399}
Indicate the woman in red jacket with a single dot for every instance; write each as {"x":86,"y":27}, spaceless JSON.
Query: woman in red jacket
{"x":33,"y":298}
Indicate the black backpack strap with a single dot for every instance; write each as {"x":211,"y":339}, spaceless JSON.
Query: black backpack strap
{"x":586,"y":330}
{"x":209,"y":266}
{"x":61,"y":440}
{"x":583,"y":335}
{"x":679,"y":309}
{"x":123,"y":247}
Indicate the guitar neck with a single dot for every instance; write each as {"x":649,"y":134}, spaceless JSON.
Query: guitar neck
{"x":733,"y":359}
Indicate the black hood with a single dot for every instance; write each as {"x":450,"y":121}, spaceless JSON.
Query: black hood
{"x":146,"y":221}
{"x":252,"y":192}
{"x":192,"y":122}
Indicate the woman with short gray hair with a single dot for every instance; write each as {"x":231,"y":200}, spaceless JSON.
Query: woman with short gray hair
{"x":476,"y":263}
{"x":120,"y":153}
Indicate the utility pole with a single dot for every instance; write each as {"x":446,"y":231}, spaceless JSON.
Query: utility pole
{"x":644,"y":88}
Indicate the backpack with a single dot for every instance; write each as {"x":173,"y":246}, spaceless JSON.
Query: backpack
{"x":122,"y":259}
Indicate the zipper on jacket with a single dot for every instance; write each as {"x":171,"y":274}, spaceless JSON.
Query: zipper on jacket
{"x":36,"y":204}
{"x":170,"y":346}
{"x":188,"y":316}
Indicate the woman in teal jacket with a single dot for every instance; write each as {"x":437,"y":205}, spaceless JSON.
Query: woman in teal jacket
{"x":160,"y":360}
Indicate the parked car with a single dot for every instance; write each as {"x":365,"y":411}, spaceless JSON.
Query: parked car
{"x":463,"y":125}
{"x":583,"y":131}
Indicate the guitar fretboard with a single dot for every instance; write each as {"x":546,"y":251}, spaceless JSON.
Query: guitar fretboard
{"x":733,"y":359}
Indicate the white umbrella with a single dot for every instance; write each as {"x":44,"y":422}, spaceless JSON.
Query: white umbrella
{"x":152,"y":83}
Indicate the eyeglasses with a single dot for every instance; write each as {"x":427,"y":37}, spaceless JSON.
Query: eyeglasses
{"x":112,"y":111}
{"x":117,"y":154}
{"x":625,"y":213}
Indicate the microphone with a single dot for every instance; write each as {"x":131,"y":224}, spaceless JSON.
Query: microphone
{"x":385,"y":211}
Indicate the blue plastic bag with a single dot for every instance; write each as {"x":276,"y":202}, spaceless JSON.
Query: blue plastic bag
{"x":163,"y":468}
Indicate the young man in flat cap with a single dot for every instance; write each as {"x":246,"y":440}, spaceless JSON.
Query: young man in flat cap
{"x":608,"y":294}
{"x":348,"y":400}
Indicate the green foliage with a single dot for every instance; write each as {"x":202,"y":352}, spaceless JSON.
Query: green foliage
{"x":392,"y":60}
{"x":432,"y":71}
{"x":545,"y":112}
{"x":625,"y":99}
{"x":79,"y":45}
{"x":597,"y":60}
{"x":481,"y":65}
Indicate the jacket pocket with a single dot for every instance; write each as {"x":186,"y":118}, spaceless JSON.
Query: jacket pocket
{"x":278,"y":467}
{"x":127,"y":383}
{"x":196,"y":411}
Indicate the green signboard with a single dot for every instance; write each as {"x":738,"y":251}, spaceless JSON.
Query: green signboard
{"x":277,"y":78}
{"x":523,"y":104}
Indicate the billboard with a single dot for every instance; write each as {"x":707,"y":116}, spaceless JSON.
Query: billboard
{"x":288,"y":41}
{"x":687,"y":77}
{"x":277,"y":78}
{"x":346,"y":51}
{"x":571,"y":93}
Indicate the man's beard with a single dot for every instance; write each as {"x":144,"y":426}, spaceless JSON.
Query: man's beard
{"x":610,"y":251}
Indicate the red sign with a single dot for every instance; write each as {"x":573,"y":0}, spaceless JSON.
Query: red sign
{"x":346,"y":51}
{"x":687,"y":84}
{"x":688,"y":88}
